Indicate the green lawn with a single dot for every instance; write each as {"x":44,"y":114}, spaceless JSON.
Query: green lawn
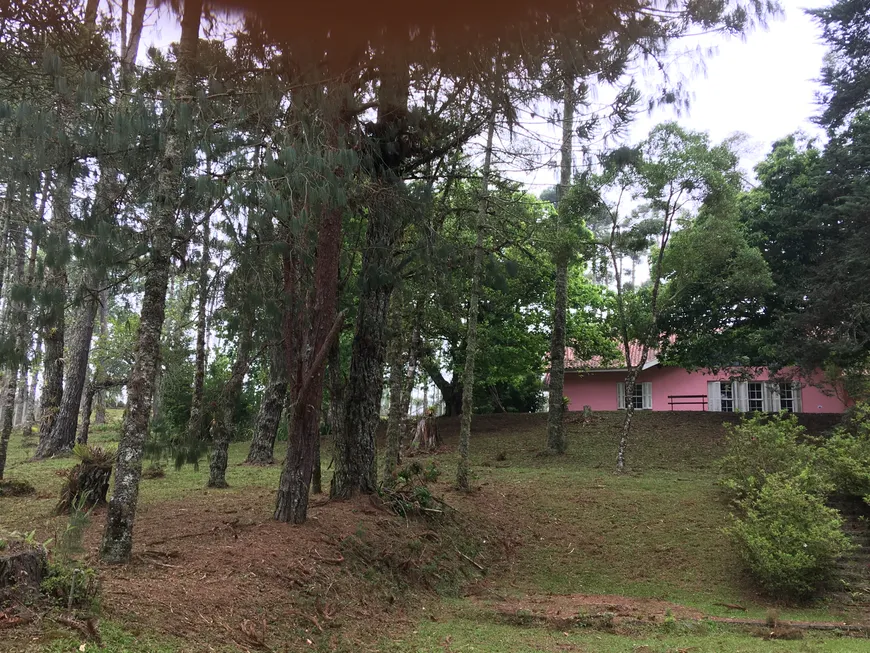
{"x":574,"y":527}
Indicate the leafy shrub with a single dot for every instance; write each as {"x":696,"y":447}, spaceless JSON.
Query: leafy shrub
{"x":788,"y":538}
{"x":70,"y":585}
{"x":845,"y":457}
{"x":759,"y":446}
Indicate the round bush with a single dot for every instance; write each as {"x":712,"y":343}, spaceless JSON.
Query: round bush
{"x":788,"y":538}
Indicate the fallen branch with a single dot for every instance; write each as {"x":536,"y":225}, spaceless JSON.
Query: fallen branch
{"x":476,"y":564}
{"x":88,"y":627}
{"x":10,"y":622}
{"x":312,"y":619}
{"x":331,"y":561}
{"x":731,"y":606}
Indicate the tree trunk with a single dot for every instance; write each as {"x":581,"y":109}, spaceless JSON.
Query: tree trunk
{"x":85,"y":428}
{"x":473,"y":299}
{"x":223,"y":425}
{"x":6,"y":420}
{"x":263,"y":445}
{"x":194,"y":425}
{"x":316,"y":466}
{"x":128,"y":58}
{"x":30,"y":402}
{"x":630,"y":384}
{"x":20,"y":398}
{"x":408,"y":389}
{"x":556,"y":441}
{"x":397,"y":382}
{"x":55,"y":285}
{"x":337,"y":384}
{"x":93,"y":390}
{"x":4,"y":236}
{"x":451,"y":391}
{"x":308,"y":338}
{"x":117,"y":544}
{"x":18,"y":330}
{"x":99,"y":370}
{"x":355,"y":452}
{"x":64,"y":432}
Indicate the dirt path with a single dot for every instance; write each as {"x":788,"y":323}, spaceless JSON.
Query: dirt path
{"x":611,"y":611}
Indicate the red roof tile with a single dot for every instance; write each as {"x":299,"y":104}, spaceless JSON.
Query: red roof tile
{"x":572,"y":362}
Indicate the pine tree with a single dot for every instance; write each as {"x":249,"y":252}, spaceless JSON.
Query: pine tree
{"x":117,"y":542}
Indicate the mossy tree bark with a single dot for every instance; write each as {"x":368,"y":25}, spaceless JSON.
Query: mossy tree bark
{"x":395,"y":360}
{"x":462,"y":468}
{"x":556,"y":441}
{"x":55,"y":290}
{"x":223,"y":425}
{"x":194,"y":424}
{"x":263,"y":444}
{"x":18,"y":328}
{"x":117,"y":544}
{"x":63,"y":433}
{"x":355,"y":453}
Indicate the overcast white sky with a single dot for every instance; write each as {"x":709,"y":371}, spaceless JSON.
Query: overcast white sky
{"x":763,"y":86}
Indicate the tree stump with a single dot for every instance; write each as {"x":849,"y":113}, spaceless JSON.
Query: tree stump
{"x":22,"y":568}
{"x":426,"y":437}
{"x":88,"y":482}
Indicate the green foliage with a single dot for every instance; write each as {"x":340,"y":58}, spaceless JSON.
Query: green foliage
{"x":70,"y":582}
{"x":408,"y":493}
{"x":845,"y":456}
{"x":788,"y":538}
{"x":759,"y":446}
{"x":93,"y":455}
{"x":808,"y":217}
{"x":71,"y":585}
{"x":845,"y":74}
{"x":87,"y":483}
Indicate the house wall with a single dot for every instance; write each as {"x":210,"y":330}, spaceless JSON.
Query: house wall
{"x":598,"y":389}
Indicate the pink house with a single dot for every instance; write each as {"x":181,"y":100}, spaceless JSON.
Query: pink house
{"x":600,"y":384}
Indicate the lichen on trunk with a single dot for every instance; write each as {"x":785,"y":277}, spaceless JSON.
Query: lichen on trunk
{"x":222,"y":426}
{"x":194,"y":424}
{"x":55,"y":289}
{"x":263,"y":444}
{"x":397,"y":381}
{"x":117,"y":544}
{"x":556,"y":440}
{"x":63,"y":434}
{"x":462,"y":468}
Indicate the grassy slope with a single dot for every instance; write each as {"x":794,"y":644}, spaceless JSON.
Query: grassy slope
{"x":655,"y":532}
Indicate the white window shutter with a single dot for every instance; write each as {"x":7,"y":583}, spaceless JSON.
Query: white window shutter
{"x":647,"y":395}
{"x":771,"y":398}
{"x":796,"y":393}
{"x":620,"y":396}
{"x":714,"y":396}
{"x":741,"y":396}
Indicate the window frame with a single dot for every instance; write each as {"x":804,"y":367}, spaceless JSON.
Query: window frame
{"x":730,"y":398}
{"x":643,"y":392}
{"x":759,"y":399}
